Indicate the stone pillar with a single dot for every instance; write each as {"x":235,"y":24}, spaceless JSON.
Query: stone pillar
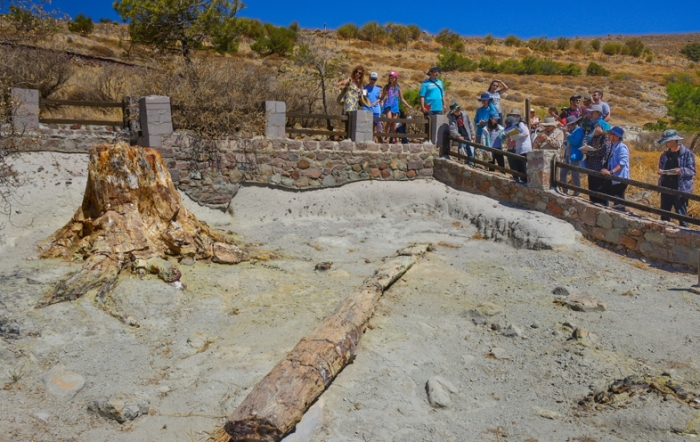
{"x":540,"y":167}
{"x":361,"y":126}
{"x":439,"y":125}
{"x":25,"y":109}
{"x":156,"y":120}
{"x":275,"y":119}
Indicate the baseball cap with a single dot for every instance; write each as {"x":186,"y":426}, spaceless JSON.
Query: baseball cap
{"x":373,"y":76}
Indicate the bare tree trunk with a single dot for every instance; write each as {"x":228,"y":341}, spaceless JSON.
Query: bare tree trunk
{"x":278,"y":402}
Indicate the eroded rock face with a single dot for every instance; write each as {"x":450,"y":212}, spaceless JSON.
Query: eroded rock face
{"x":121,"y":407}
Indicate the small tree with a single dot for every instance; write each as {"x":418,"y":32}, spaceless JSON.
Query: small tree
{"x":279,"y":41}
{"x":450,"y":40}
{"x":683,"y":103}
{"x":372,"y":32}
{"x":489,"y":40}
{"x":177,"y":25}
{"x":595,"y":44}
{"x":81,"y":25}
{"x":399,"y":34}
{"x":563,"y":43}
{"x":323,"y":65}
{"x":31,"y":19}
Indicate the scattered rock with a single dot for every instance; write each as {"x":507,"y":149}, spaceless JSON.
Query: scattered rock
{"x":121,"y":407}
{"x":513,"y":331}
{"x":580,"y":333}
{"x":439,"y":390}
{"x":227,"y":254}
{"x":323,"y":266}
{"x":9,"y":329}
{"x":42,"y":416}
{"x":199,"y":341}
{"x":63,"y":383}
{"x":562,"y":291}
{"x":489,"y":309}
{"x":547,"y":414}
{"x":496,"y":326}
{"x":188,"y":261}
{"x":475,"y":316}
{"x":584,"y":337}
{"x":583,"y":303}
{"x":498,"y":353}
{"x":535,"y":325}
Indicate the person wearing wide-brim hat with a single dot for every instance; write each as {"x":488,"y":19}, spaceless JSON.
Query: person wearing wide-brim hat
{"x":432,"y":93}
{"x":618,"y":164}
{"x":572,"y":152}
{"x":461,"y":127}
{"x":676,"y":171}
{"x":551,"y":137}
{"x":596,"y":129}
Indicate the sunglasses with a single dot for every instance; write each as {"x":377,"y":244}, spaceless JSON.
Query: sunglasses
{"x":359,"y":72}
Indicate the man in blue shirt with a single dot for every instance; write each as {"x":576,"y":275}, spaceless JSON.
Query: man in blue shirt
{"x":432,"y":93}
{"x":483,"y":113}
{"x":373,"y":92}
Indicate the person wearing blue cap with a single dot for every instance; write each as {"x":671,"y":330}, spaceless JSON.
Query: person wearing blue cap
{"x":676,"y":171}
{"x":483,"y":113}
{"x":618,"y":164}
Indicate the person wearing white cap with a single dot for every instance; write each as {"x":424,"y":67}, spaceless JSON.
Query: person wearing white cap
{"x":373,"y":94}
{"x":676,"y":171}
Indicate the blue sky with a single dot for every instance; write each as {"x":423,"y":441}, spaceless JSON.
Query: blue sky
{"x":524,"y":19}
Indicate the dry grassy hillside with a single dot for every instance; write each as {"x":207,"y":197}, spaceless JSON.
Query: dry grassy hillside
{"x":635,"y":88}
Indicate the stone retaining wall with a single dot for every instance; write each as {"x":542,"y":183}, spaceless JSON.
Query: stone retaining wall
{"x":210,"y":171}
{"x":625,"y":232}
{"x":67,"y":138}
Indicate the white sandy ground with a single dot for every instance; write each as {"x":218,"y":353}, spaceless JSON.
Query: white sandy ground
{"x":253,"y":314}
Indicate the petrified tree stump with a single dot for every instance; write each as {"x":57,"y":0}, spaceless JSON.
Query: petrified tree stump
{"x":131,"y":216}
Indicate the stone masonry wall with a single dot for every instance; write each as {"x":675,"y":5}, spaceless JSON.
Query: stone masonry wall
{"x":625,"y":232}
{"x":210,"y":171}
{"x":68,"y":138}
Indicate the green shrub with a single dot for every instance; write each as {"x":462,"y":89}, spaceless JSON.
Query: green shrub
{"x":649,"y":58}
{"x":596,"y":70}
{"x":614,"y":48}
{"x":636,"y":47}
{"x":489,"y":40}
{"x":488,"y":65}
{"x":563,"y":43}
{"x":512,"y":40}
{"x":250,"y":28}
{"x":279,"y":41}
{"x":450,"y":40}
{"x":348,"y":31}
{"x":413,"y":32}
{"x":294,"y":26}
{"x":579,"y":45}
{"x":372,"y":32}
{"x":691,"y":51}
{"x":539,"y":44}
{"x":449,"y":60}
{"x":595,"y":44}
{"x":571,"y":70}
{"x":397,"y":34}
{"x":81,"y":25}
{"x":226,"y":38}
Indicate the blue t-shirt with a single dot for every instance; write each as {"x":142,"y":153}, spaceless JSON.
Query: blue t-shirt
{"x":373,"y":94}
{"x":391,"y":101}
{"x":483,"y":113}
{"x":433,"y":92}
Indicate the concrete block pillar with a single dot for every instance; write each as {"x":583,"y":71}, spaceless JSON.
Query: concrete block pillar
{"x":439,"y":126}
{"x":361,"y":126}
{"x":539,"y":168}
{"x":275,"y":119}
{"x":25,"y":109}
{"x":156,"y":120}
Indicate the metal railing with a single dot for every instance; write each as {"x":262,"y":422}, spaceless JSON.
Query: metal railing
{"x":639,"y":206}
{"x":493,"y":151}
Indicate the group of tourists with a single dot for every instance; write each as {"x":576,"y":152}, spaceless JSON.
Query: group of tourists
{"x":580,"y":133}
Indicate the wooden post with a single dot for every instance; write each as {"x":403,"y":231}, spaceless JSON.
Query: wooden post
{"x":527,"y":114}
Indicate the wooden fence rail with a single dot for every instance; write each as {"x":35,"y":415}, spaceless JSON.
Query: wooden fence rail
{"x":124,"y":105}
{"x":639,"y":206}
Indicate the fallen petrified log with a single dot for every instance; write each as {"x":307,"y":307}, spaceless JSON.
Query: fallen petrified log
{"x":280,"y":399}
{"x":131,"y":217}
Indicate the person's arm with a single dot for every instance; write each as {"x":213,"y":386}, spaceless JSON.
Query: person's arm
{"x":662,"y":163}
{"x":554,"y":140}
{"x":624,"y":159}
{"x":342,"y":82}
{"x":383,"y":96}
{"x":522,"y":134}
{"x":575,"y":138}
{"x":422,"y":93}
{"x":687,"y":168}
{"x":504,"y":87}
{"x":454,"y":132}
{"x":471,"y":129}
{"x":607,"y":117}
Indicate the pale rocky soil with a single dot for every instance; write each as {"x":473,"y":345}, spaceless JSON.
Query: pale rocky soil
{"x":198,"y":352}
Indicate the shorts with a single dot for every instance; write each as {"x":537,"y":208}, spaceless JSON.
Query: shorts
{"x":391,"y":108}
